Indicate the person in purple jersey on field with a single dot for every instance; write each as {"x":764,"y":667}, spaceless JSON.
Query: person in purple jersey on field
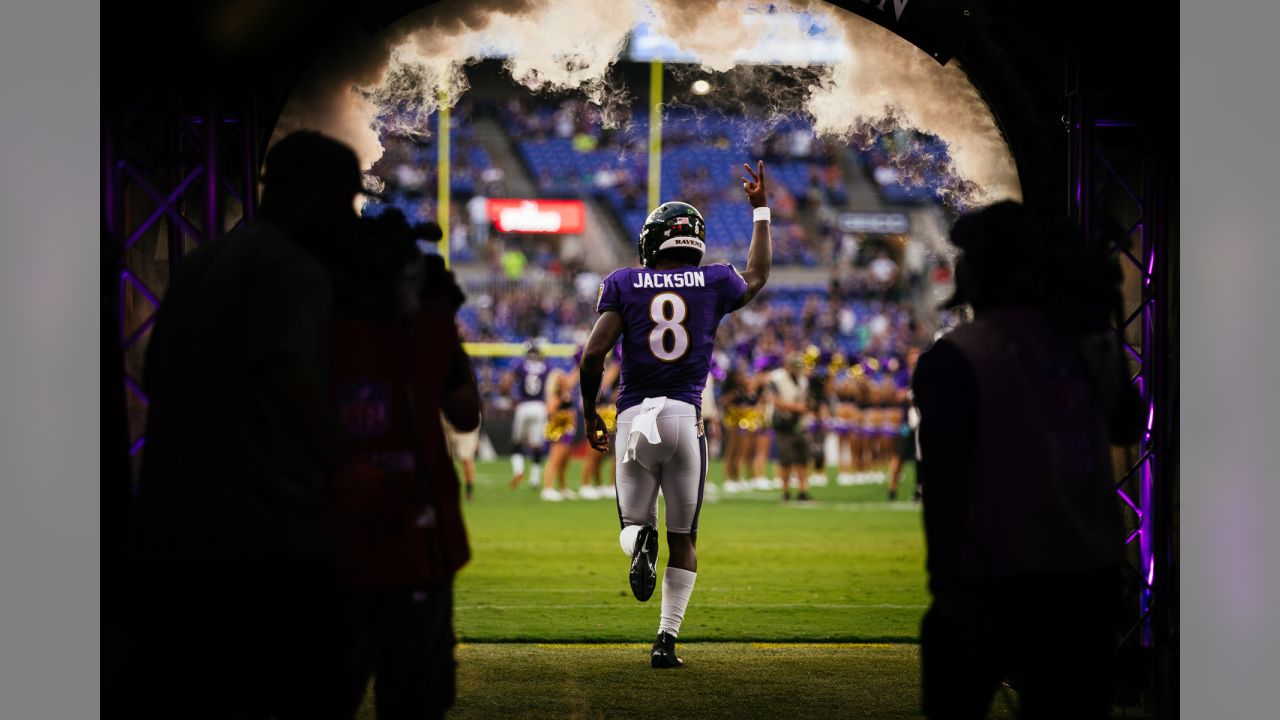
{"x":666,"y":314}
{"x":528,"y":427}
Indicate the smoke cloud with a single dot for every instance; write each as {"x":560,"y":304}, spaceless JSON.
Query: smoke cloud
{"x":398,"y":79}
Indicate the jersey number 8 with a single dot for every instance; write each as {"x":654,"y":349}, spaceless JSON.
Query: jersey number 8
{"x":668,"y":312}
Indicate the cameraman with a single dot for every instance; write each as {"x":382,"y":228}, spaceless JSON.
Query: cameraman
{"x":396,"y":520}
{"x":789,"y":392}
{"x":239,"y":610}
{"x":1022,"y":526}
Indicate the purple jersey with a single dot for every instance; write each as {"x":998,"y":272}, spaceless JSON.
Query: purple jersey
{"x":669,"y":327}
{"x":531,"y":380}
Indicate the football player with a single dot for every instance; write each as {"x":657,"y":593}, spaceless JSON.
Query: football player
{"x":666,"y":314}
{"x":530,"y":420}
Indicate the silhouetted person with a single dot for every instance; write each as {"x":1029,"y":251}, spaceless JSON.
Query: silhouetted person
{"x":243,"y":613}
{"x":1023,"y":527}
{"x":399,"y":367}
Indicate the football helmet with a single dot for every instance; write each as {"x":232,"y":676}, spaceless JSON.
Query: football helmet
{"x":672,"y":225}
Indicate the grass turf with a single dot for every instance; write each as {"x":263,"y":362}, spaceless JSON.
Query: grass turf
{"x":719,"y":680}
{"x":847,"y":567}
{"x":800,"y":610}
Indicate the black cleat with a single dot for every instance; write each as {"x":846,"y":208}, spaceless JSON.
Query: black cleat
{"x":644,"y":563}
{"x":664,"y":652}
{"x":804,"y":497}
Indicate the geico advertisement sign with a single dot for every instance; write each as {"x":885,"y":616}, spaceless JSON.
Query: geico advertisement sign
{"x":566,"y":217}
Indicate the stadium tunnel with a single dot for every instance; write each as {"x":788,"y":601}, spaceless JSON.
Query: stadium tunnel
{"x":1084,"y":93}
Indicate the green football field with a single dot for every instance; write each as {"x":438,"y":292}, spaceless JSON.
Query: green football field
{"x":847,"y":567}
{"x":800,"y":610}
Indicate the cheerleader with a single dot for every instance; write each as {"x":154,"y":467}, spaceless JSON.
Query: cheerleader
{"x":562,"y":417}
{"x":868,"y":420}
{"x":737,"y":400}
{"x":761,"y":420}
{"x":906,"y":440}
{"x":891,"y":415}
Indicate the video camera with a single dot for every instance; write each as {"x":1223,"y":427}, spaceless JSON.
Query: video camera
{"x":392,"y":224}
{"x":390,"y":241}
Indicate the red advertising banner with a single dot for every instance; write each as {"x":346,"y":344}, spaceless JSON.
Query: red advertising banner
{"x":564,"y":217}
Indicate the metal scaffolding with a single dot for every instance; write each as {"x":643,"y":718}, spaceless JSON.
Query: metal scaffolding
{"x":173,"y":177}
{"x":1115,"y":171}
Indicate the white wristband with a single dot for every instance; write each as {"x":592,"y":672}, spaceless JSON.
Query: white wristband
{"x":760,"y":213}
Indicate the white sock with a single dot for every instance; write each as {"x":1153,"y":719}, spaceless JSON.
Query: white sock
{"x":517,"y":464}
{"x":627,"y":538}
{"x":535,"y":475}
{"x":677,"y":586}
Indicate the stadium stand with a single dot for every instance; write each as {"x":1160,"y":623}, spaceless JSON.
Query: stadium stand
{"x":859,"y":297}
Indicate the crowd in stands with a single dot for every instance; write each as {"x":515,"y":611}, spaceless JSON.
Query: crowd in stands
{"x":536,"y":290}
{"x":408,"y":167}
{"x":570,"y":152}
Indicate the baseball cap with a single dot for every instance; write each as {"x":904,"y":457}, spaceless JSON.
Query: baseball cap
{"x":994,"y":245}
{"x":309,"y":158}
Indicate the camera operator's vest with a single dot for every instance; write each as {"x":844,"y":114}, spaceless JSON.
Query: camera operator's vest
{"x":388,"y":534}
{"x":1039,"y":486}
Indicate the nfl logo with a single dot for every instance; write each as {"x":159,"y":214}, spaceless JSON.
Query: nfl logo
{"x":365,"y":408}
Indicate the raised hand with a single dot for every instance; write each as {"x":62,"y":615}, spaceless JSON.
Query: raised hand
{"x":755,"y":187}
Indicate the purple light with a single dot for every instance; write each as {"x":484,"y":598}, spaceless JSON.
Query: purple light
{"x":1129,"y":502}
{"x":142,"y":288}
{"x":129,"y":383}
{"x":137,"y":446}
{"x":1151,"y":416}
